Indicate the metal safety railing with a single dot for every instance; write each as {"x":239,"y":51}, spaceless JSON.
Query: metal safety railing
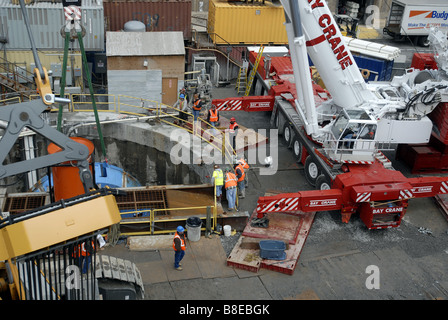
{"x":149,"y":217}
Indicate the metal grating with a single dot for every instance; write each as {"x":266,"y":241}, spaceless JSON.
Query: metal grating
{"x":15,"y":205}
{"x":143,"y":199}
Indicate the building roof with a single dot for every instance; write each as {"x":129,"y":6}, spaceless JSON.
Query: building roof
{"x":145,"y":43}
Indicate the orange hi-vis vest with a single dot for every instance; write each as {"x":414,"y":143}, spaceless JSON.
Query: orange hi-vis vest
{"x":213,"y":115}
{"x":232,"y":127}
{"x":80,"y":250}
{"x":196,"y":105}
{"x":244,"y":163}
{"x":230,"y":180}
{"x":182,"y":242}
{"x":243,"y":175}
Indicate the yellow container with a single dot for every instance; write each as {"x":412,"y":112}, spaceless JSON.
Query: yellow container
{"x":239,"y":23}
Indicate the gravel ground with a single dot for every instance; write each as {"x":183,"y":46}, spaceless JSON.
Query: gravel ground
{"x":228,"y":243}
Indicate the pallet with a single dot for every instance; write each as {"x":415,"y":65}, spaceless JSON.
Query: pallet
{"x":248,"y":258}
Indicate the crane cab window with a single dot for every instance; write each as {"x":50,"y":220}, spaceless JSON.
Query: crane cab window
{"x":353,"y":125}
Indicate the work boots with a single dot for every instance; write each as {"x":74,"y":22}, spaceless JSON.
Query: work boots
{"x":242,"y":194}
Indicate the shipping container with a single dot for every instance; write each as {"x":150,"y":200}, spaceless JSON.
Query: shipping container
{"x":46,"y":21}
{"x":25,"y":59}
{"x":157,"y":16}
{"x":241,"y":23}
{"x":374,"y":69}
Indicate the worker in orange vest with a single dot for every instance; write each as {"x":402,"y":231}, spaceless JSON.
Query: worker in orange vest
{"x":230,"y":186}
{"x":197,"y":106}
{"x":240,"y":175}
{"x":233,"y":132}
{"x":82,"y":254}
{"x":179,"y":247}
{"x":213,"y":118}
{"x":246,"y":167}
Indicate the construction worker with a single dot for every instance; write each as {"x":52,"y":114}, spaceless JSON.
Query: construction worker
{"x":184,"y":92}
{"x":82,"y":254}
{"x":197,"y":106}
{"x":179,"y":247}
{"x":213,"y":118}
{"x":240,"y":175}
{"x":246,"y":167}
{"x":233,"y":132}
{"x":230,"y":186}
{"x":181,"y":104}
{"x":218,"y":181}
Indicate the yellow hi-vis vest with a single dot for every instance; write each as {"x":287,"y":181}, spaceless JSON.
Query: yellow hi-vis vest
{"x":219,"y":177}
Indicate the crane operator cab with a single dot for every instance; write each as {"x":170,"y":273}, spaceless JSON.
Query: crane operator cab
{"x":353,"y":137}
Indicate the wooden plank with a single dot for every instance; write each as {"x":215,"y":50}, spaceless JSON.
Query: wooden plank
{"x":246,"y":259}
{"x":282,"y":226}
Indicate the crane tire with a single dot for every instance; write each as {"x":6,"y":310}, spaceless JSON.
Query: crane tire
{"x":312,"y":171}
{"x":323,"y":182}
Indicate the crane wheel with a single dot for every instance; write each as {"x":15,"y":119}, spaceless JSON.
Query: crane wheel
{"x":287,"y":135}
{"x":323,"y":183}
{"x":297,"y":149}
{"x":312,"y":171}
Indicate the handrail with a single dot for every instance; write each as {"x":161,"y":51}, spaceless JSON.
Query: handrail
{"x":152,"y":219}
{"x":226,"y":149}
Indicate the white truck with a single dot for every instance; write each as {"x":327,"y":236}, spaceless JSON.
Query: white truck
{"x":414,"y":18}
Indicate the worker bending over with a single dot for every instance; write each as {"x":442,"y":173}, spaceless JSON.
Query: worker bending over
{"x":240,"y":175}
{"x":218,"y":181}
{"x":230,"y":186}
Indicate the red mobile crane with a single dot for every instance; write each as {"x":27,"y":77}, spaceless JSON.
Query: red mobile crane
{"x":337,"y":133}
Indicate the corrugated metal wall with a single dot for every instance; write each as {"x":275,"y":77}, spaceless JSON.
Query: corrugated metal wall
{"x":46,"y":21}
{"x":157,"y":16}
{"x":25,"y":57}
{"x":237,"y":23}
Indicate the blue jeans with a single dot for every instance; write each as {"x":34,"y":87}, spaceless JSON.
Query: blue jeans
{"x":241,"y":185}
{"x":231,"y":197}
{"x":195,"y":115}
{"x":214,"y":131}
{"x":218,"y":190}
{"x":178,"y":256}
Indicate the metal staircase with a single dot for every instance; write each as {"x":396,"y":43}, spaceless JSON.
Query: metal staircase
{"x":241,"y":82}
{"x":15,"y":80}
{"x":254,"y":70}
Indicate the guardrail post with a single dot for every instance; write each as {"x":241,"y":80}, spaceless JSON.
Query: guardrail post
{"x":208,"y":227}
